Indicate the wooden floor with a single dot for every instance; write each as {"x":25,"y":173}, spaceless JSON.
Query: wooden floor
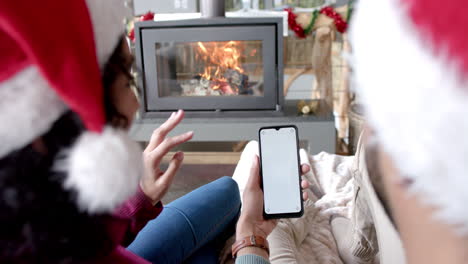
{"x":198,"y":169}
{"x":212,"y":158}
{"x":190,"y":177}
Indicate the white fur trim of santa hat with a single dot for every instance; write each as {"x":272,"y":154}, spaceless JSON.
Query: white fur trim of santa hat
{"x":104,"y":169}
{"x":107,"y":17}
{"x":417,"y":102}
{"x":28,"y":108}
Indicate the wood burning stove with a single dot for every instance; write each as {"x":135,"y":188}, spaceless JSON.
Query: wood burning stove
{"x":210,"y":65}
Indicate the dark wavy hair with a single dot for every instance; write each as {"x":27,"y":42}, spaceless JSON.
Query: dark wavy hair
{"x":39,"y":220}
{"x":116,"y":65}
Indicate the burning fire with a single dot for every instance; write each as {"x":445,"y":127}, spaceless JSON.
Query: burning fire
{"x":219,"y":58}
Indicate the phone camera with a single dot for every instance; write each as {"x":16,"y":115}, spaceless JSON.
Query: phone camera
{"x":291,"y":130}
{"x":263,"y":132}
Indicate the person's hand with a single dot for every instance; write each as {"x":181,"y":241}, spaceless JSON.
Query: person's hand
{"x":155,"y":182}
{"x":251,"y":221}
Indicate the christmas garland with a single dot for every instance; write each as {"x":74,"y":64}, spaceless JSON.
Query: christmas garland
{"x":340,"y":24}
{"x":309,"y":27}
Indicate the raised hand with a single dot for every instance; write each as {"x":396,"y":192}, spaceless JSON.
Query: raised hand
{"x":155,"y":182}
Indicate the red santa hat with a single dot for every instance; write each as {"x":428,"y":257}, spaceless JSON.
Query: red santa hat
{"x":411,"y":68}
{"x":52,"y":55}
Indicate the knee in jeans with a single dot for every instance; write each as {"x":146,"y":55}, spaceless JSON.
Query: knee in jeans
{"x":231,"y":188}
{"x":251,"y":147}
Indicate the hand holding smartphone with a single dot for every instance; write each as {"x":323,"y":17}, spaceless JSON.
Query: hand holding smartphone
{"x":281,"y":172}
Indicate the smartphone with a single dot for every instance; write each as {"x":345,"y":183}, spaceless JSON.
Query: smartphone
{"x":280,"y":171}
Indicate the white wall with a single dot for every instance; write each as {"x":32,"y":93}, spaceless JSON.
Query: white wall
{"x":165,"y":6}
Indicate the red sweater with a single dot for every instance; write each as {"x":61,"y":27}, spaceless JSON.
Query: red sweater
{"x":126,"y":222}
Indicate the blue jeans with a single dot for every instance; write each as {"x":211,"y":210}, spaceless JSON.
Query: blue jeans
{"x":193,"y":228}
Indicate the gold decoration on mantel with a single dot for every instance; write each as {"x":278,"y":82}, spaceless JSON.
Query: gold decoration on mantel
{"x":307,"y":107}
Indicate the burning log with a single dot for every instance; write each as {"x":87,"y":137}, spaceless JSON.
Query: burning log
{"x":239,"y":80}
{"x":221,"y":64}
{"x":222,"y":86}
{"x":198,"y":87}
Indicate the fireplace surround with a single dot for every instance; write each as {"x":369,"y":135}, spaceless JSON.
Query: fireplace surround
{"x":210,"y":66}
{"x":226,"y":73}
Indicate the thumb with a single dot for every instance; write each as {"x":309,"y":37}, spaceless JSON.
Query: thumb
{"x":254,"y":179}
{"x":173,"y":167}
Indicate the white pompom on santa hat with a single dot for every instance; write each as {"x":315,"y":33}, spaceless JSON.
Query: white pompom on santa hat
{"x":52,"y":54}
{"x":410,"y":60}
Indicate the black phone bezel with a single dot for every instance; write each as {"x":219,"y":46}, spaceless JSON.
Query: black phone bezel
{"x":283,"y":215}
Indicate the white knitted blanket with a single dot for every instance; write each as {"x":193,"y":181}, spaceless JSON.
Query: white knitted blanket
{"x":309,"y":239}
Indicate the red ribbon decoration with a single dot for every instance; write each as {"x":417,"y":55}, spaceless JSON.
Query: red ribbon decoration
{"x":293,"y":25}
{"x":146,"y":17}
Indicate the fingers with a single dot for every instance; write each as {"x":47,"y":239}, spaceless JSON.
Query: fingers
{"x":174,"y":165}
{"x":305,"y":184}
{"x":168,"y":144}
{"x":254,"y":178}
{"x":305,"y":168}
{"x":161,"y":132}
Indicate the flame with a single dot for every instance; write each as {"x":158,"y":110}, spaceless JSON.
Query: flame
{"x":217,"y":58}
{"x":202,"y":47}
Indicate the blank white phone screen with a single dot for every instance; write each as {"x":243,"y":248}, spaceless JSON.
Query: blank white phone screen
{"x":280,"y":170}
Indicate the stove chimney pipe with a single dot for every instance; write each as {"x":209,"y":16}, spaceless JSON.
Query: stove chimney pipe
{"x":212,"y":8}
